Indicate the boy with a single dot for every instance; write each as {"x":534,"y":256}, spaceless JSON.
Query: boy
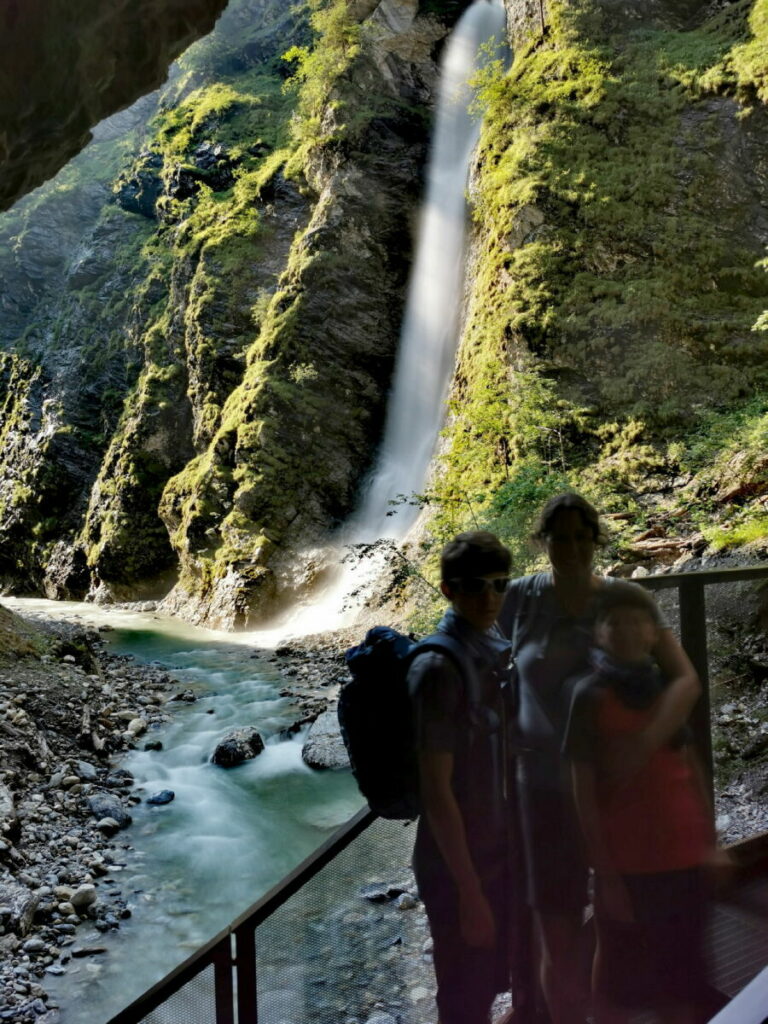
{"x":646,"y":841}
{"x":461,"y":851}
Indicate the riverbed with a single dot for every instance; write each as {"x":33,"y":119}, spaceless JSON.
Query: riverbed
{"x":189,"y":867}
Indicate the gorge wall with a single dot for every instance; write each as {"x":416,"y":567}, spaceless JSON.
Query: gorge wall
{"x":200,"y":312}
{"x":63,"y":68}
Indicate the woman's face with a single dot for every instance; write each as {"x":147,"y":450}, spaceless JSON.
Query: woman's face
{"x":571,"y":544}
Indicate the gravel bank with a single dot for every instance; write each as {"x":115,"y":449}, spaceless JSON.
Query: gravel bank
{"x":68,"y":710}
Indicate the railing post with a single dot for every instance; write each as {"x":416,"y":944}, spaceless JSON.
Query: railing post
{"x":245,"y":960}
{"x":693,"y":635}
{"x":223,"y":988}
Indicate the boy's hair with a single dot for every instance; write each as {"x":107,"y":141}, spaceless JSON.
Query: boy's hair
{"x":475,"y":553}
{"x":626,"y":595}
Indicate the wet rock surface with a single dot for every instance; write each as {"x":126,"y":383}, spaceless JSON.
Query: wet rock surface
{"x":324,"y":747}
{"x":238,"y":746}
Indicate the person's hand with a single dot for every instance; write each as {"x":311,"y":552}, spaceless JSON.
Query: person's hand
{"x":623,"y":758}
{"x":478,"y":927}
{"x":612,"y":902}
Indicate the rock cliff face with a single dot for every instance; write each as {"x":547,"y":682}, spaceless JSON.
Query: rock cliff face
{"x":614,"y":338}
{"x":200,"y":313}
{"x":207,"y":327}
{"x":63,"y":68}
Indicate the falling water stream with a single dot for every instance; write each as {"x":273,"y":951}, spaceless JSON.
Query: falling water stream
{"x":430,"y":329}
{"x":228,"y":836}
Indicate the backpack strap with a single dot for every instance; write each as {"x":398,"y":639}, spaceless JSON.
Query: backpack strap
{"x":530,"y":592}
{"x":444,"y":643}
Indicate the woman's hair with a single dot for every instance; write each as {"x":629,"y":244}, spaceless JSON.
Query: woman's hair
{"x":563,"y":503}
{"x":475,"y":553}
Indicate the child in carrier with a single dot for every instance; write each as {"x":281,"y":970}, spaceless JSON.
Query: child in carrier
{"x":648,"y":840}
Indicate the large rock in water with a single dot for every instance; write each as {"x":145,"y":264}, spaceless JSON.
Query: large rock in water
{"x":236,"y":747}
{"x":324,"y":747}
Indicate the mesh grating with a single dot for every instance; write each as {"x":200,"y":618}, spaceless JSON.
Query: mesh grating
{"x":342,"y":948}
{"x":195,"y":1003}
{"x":739,"y":939}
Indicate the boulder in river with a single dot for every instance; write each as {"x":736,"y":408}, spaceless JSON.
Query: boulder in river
{"x":165,"y":796}
{"x":107,"y":805}
{"x":238,"y":746}
{"x":324,"y":747}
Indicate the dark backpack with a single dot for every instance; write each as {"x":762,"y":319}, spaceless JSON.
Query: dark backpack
{"x":376,"y":718}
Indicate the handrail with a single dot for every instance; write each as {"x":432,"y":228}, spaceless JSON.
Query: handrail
{"x":693,"y":637}
{"x":218,"y":951}
{"x":249,"y":920}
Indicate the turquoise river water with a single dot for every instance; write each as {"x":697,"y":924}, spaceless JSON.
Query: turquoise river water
{"x":190,"y":867}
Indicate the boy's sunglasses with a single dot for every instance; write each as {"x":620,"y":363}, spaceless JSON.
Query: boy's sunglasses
{"x":476,"y":585}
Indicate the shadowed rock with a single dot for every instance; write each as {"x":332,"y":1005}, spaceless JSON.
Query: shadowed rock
{"x":64,"y":68}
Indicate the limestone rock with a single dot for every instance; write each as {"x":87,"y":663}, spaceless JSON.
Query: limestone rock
{"x":9,"y":822}
{"x":324,"y":747}
{"x":95,"y":73}
{"x":83,"y":897}
{"x":236,"y":747}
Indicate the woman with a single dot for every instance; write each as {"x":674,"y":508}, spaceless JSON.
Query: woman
{"x":550,"y":619}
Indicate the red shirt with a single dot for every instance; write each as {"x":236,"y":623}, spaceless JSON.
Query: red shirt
{"x":658,"y":821}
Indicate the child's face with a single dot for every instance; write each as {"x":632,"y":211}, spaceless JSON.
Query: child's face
{"x":628,"y":634}
{"x":478,"y":599}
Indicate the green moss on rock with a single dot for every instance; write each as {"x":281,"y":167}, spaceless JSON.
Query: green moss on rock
{"x":617,"y":283}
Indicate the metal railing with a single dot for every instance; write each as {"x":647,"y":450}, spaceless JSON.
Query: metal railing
{"x":232,"y":954}
{"x":691,"y":594}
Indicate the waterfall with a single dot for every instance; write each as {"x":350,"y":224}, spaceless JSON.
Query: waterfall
{"x":430,"y":330}
{"x":430,"y":327}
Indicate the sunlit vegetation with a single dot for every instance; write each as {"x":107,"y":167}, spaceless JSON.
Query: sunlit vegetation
{"x":618,"y":294}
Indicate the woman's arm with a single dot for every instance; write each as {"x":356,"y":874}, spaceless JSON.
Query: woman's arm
{"x":627,"y":755}
{"x":447,"y":826}
{"x":681,"y":693}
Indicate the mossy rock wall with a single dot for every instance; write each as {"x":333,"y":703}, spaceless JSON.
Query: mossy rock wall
{"x":210,"y":295}
{"x":615,"y":336}
{"x":297,"y":434}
